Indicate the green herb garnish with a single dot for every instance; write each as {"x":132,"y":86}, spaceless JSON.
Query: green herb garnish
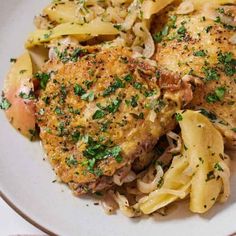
{"x":208,"y":114}
{"x":72,"y":161}
{"x":229,"y":63}
{"x":210,"y":73}
{"x":99,"y":114}
{"x":29,"y":96}
{"x":216,"y":96}
{"x":43,"y":79}
{"x":218,"y":167}
{"x":78,"y":90}
{"x":112,"y":88}
{"x":178,"y":117}
{"x":200,"y":53}
{"x":88,"y":96}
{"x":5,"y":104}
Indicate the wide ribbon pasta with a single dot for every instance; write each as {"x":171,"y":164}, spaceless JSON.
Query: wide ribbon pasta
{"x":205,"y":150}
{"x":201,"y":170}
{"x":82,"y":32}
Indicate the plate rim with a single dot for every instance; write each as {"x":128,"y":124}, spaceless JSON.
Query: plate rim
{"x":25,"y":216}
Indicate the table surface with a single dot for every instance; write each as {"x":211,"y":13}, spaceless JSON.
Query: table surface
{"x":11,"y":224}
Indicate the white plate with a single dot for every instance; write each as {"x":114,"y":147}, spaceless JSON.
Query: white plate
{"x":26,"y":180}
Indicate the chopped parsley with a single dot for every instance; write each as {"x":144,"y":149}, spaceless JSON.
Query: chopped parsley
{"x":158,"y":37}
{"x":218,"y":167}
{"x":208,"y":114}
{"x":178,"y":117}
{"x":210,"y":176}
{"x":228,"y":62}
{"x":78,"y":90}
{"x":158,"y":74}
{"x":5,"y":104}
{"x":128,"y":78}
{"x":58,"y":111}
{"x":75,"y":136}
{"x":113,"y":87}
{"x":181,"y":32}
{"x":63,"y":93}
{"x":99,"y":114}
{"x":218,"y":20}
{"x":208,"y":28}
{"x":221,"y":10}
{"x":200,"y":53}
{"x":72,"y":161}
{"x":216,"y":96}
{"x":78,"y":52}
{"x":63,"y":56}
{"x":157,"y":105}
{"x":210,"y":73}
{"x":104,"y":126}
{"x":149,"y":93}
{"x":133,"y":101}
{"x":66,"y":56}
{"x":137,"y":85}
{"x":111,"y":108}
{"x":98,"y":172}
{"x":74,"y":111}
{"x":41,"y":112}
{"x":139,"y":116}
{"x":29,"y":96}
{"x":114,"y":106}
{"x":96,"y":151}
{"x":43,"y":79}
{"x":61,"y":129}
{"x":88,"y":84}
{"x":117,"y":26}
{"x":88,"y":96}
{"x":47,"y":36}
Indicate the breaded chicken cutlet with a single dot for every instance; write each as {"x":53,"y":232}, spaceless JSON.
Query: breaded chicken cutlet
{"x":101,"y":113}
{"x":201,"y":47}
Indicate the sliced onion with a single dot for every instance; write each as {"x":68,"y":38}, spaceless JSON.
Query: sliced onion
{"x":108,"y":203}
{"x":132,"y":15}
{"x":185,"y":7}
{"x":173,"y":136}
{"x":149,"y":187}
{"x":209,"y":11}
{"x":123,"y":203}
{"x":143,"y":33}
{"x":120,"y":180}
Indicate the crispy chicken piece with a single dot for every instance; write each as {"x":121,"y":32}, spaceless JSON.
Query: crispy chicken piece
{"x":198,"y":46}
{"x":99,"y":114}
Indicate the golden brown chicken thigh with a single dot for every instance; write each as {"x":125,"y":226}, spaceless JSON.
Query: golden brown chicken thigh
{"x":200,"y":47}
{"x":99,"y":114}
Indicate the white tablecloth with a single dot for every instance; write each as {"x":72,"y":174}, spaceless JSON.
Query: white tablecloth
{"x":11,"y":224}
